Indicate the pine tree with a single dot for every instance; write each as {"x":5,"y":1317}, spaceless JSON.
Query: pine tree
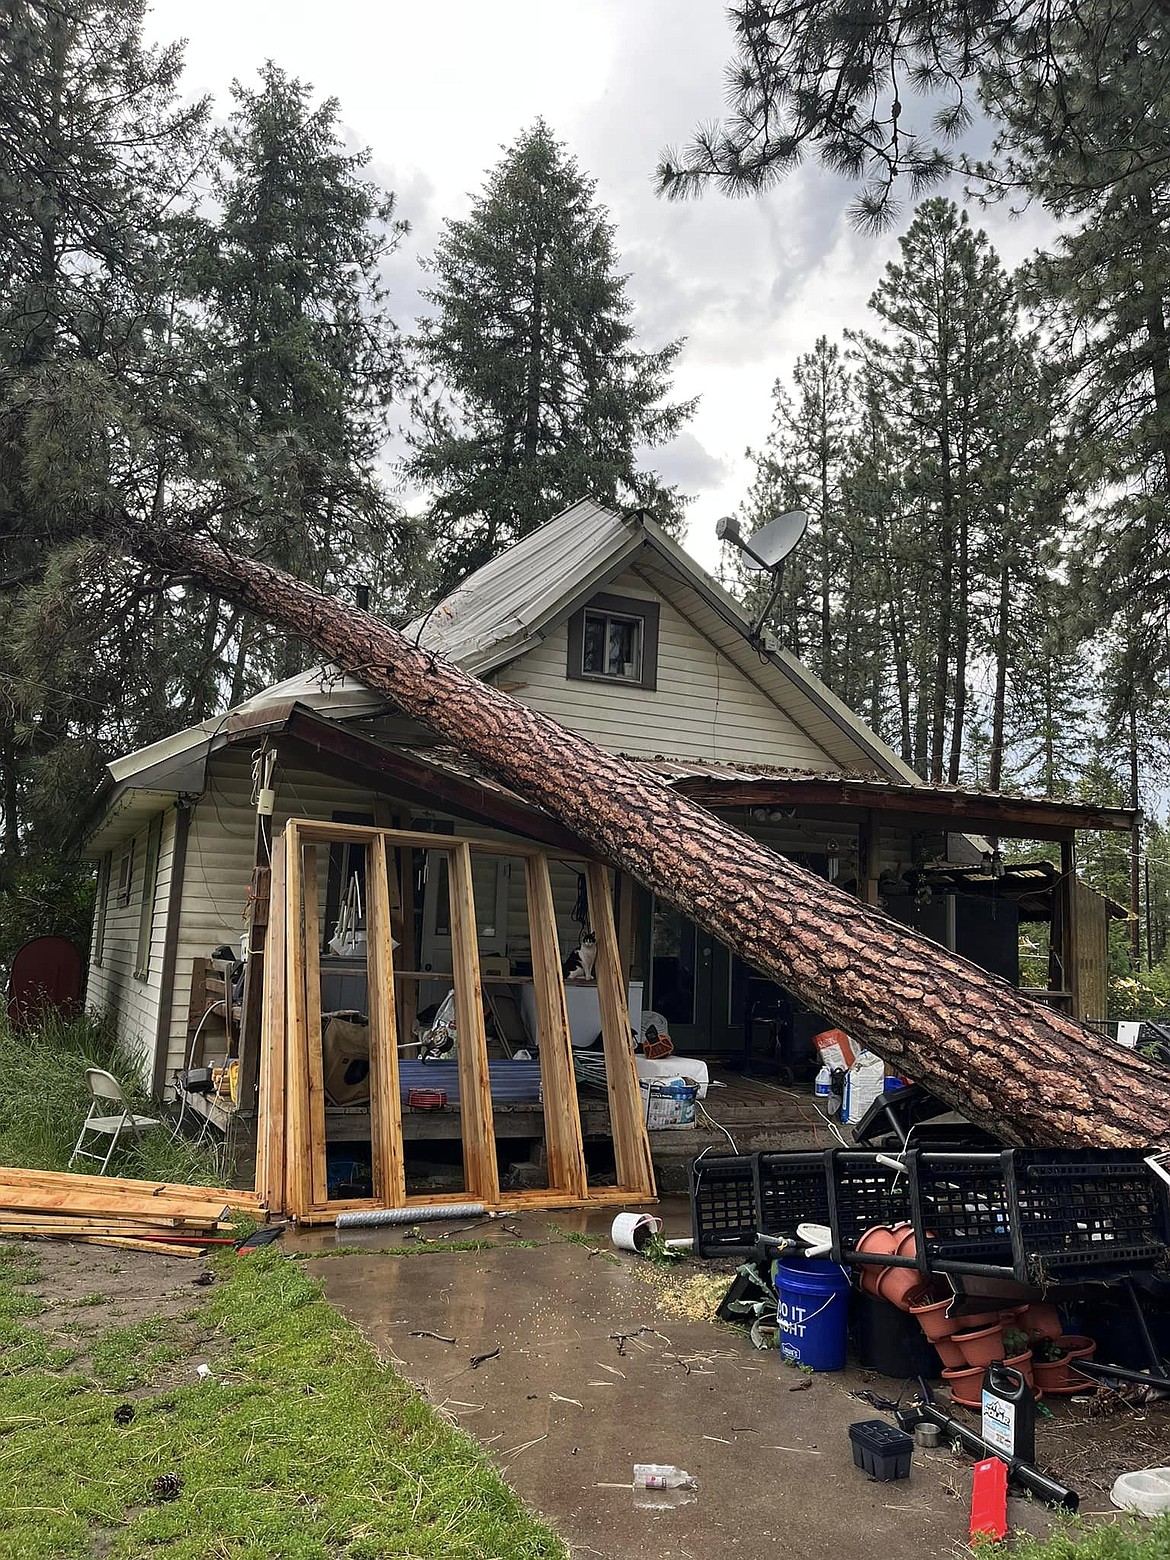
{"x":537,"y":394}
{"x":303,"y":359}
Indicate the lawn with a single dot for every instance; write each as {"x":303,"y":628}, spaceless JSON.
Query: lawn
{"x":301,"y":1444}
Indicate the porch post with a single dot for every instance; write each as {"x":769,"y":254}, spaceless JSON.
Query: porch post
{"x":1069,"y":930}
{"x":868,"y":863}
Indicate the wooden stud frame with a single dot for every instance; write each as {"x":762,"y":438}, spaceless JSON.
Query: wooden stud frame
{"x":291,"y":1167}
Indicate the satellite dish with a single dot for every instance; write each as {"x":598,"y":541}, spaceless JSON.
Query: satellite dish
{"x":773,"y":542}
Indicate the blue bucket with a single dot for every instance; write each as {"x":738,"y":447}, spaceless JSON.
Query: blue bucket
{"x":812,"y":1308}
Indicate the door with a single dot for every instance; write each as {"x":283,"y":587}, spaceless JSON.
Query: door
{"x":680,"y":984}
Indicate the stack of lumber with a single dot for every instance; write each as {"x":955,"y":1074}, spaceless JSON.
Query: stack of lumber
{"x":112,"y":1211}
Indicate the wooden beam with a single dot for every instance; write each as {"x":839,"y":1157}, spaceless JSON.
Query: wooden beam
{"x":868,"y":857}
{"x":270,"y":1124}
{"x":631,"y":1146}
{"x":385,"y":1102}
{"x":321,"y":832}
{"x":1024,"y":817}
{"x":562,"y":1121}
{"x":298,"y":1182}
{"x":407,"y":994}
{"x":318,"y":1173}
{"x":1070,"y":931}
{"x":481,"y":1171}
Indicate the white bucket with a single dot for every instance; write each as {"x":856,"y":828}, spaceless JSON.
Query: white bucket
{"x":631,"y":1231}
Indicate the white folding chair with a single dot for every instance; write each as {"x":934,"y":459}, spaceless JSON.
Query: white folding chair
{"x":105,"y":1087}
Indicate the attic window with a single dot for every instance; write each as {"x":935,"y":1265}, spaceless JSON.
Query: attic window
{"x":615,"y":639}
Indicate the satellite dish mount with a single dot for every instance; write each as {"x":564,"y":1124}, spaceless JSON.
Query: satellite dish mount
{"x":765,"y":552}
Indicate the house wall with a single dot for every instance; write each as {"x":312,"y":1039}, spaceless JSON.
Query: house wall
{"x":112,"y":988}
{"x":704,"y":706}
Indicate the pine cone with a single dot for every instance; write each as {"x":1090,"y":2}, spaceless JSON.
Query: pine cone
{"x":124,"y":1413}
{"x":166,"y":1486}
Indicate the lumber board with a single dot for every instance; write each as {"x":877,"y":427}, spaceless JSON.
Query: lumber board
{"x":407,"y":1007}
{"x":49,"y":1225}
{"x":481,"y":1172}
{"x":122,"y":1243}
{"x":298,"y":1199}
{"x":60,"y":1180}
{"x":635,"y":1168}
{"x":270,"y":1125}
{"x":322,"y":832}
{"x":40,"y":1200}
{"x":385,"y":1104}
{"x":318,"y":1174}
{"x":567,"y":1172}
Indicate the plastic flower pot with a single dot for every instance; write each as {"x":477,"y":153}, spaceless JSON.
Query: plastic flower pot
{"x":1053,"y":1375}
{"x":1077,"y":1346}
{"x":971,"y":1321}
{"x":949,"y":1353}
{"x":897,"y":1284}
{"x":966,"y":1386}
{"x":981,"y":1346}
{"x":934,"y":1320}
{"x":1040,"y":1321}
{"x":878,"y":1240}
{"x":1023,"y":1363}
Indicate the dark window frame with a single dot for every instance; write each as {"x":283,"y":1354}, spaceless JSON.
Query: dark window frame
{"x":647,"y":612}
{"x":144,"y":939}
{"x":102,"y":898}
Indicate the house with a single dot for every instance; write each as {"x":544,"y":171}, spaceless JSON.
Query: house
{"x":600,"y":620}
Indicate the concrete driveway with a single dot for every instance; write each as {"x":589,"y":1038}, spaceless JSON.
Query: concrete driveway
{"x":567,"y":1409}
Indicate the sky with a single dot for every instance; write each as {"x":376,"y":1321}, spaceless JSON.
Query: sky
{"x":437,"y":91}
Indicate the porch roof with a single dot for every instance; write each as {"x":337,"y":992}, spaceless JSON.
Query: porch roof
{"x":955,"y":807}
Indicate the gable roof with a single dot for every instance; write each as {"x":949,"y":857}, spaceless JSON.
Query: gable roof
{"x":533,"y":586}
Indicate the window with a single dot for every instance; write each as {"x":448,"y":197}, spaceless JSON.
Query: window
{"x":125,"y":876}
{"x":102,"y":897}
{"x":615,"y":639}
{"x":146,"y":908}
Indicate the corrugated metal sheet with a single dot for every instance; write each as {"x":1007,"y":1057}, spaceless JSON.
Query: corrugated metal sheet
{"x":512,"y":1083}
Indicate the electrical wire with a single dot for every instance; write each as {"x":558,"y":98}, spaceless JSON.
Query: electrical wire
{"x":702,"y":1109}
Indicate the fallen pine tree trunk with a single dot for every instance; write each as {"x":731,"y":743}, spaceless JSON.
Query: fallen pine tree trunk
{"x":1018,"y":1068}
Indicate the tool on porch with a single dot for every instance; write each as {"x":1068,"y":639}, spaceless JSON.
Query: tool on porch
{"x":989,"y":1500}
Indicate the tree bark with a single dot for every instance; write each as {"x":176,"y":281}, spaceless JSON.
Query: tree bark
{"x":1024,"y":1071}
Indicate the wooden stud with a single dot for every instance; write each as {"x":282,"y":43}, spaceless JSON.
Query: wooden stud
{"x":318,"y":1175}
{"x":385,"y":1101}
{"x":481,"y":1172}
{"x":567,"y":1171}
{"x":319,"y":832}
{"x":298,"y":1198}
{"x":635,"y":1169}
{"x":407,"y":991}
{"x":270,"y":1127}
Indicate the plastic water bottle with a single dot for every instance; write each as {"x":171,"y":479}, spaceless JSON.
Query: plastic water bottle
{"x":823,"y":1089}
{"x":662,"y":1476}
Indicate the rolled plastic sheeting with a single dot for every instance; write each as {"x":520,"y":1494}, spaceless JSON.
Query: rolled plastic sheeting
{"x":375,"y":1216}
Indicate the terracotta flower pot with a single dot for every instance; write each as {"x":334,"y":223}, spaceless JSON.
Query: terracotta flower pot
{"x":1040,"y":1321}
{"x":971,"y":1321}
{"x":966,"y":1386}
{"x":1053,"y":1375}
{"x":1077,"y":1346}
{"x":869,"y":1278}
{"x":1023,"y":1363}
{"x":897,"y":1284}
{"x":950,"y":1354}
{"x":879,"y":1239}
{"x":933,"y":1319}
{"x":981,"y":1346}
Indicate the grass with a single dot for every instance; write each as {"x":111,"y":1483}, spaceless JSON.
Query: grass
{"x":1124,"y":1539}
{"x":44,"y":1100}
{"x":301,"y":1445}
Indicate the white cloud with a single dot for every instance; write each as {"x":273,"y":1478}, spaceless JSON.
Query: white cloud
{"x":437,"y":90}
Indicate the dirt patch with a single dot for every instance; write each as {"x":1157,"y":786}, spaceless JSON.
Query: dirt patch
{"x":86,"y":1291}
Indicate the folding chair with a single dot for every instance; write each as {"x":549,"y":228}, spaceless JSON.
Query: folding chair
{"x":104,"y":1086}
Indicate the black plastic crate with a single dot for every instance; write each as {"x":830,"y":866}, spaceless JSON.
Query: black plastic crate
{"x":1082,"y":1213}
{"x":881,"y":1450}
{"x":863,"y":1193}
{"x":723,"y":1205}
{"x":791,"y":1189}
{"x":960,"y":1206}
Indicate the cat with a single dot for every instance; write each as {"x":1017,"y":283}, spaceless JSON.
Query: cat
{"x":579,"y":964}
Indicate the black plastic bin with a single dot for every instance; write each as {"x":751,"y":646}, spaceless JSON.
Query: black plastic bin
{"x":791,"y":1189}
{"x":960,"y":1206}
{"x":1084,"y":1214}
{"x":880,"y":1450}
{"x":724,"y":1220}
{"x":863,"y":1193}
{"x":890,"y":1341}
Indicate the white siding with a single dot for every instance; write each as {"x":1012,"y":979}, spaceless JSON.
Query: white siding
{"x":705,"y":706}
{"x":112,"y":987}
